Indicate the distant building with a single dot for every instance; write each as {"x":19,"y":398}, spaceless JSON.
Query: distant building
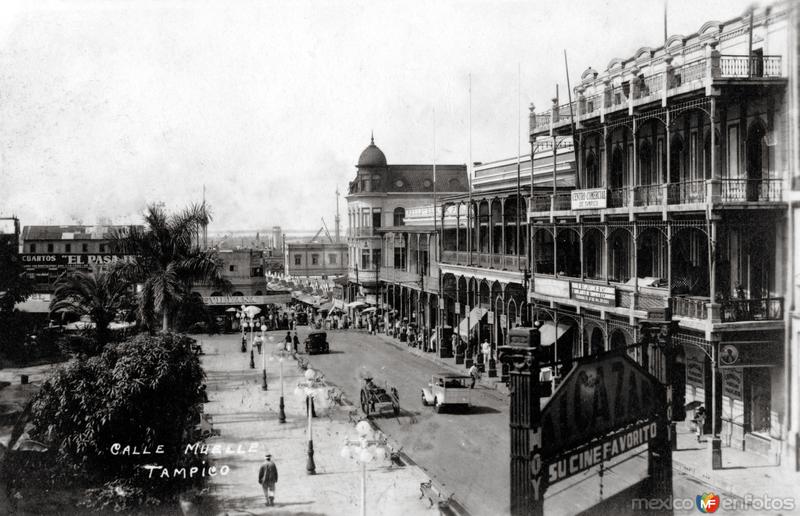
{"x":47,"y":251}
{"x":244,"y":268}
{"x":277,"y":237}
{"x":315,"y":259}
{"x":378,"y":198}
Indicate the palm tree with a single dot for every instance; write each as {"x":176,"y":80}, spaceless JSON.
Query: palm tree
{"x":99,"y":295}
{"x":167,"y":260}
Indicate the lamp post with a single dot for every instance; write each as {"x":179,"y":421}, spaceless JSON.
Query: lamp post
{"x":312,"y":388}
{"x":264,"y":360}
{"x":280,"y":354}
{"x":370,"y":446}
{"x":241,"y":314}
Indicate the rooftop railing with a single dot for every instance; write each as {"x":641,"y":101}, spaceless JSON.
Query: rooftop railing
{"x":751,"y":190}
{"x":750,"y":66}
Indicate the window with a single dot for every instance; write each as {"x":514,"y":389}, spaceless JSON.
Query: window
{"x":376,"y":217}
{"x":33,"y":248}
{"x":376,"y":257}
{"x":49,"y":248}
{"x":400,"y":258}
{"x":365,"y":258}
{"x":232,"y":268}
{"x":399,"y":217}
{"x":424,"y":264}
{"x":297,"y":259}
{"x":365,"y":218}
{"x":85,"y":248}
{"x":102,"y":248}
{"x":733,"y":151}
{"x":331,"y":258}
{"x":67,"y":248}
{"x":314,"y":259}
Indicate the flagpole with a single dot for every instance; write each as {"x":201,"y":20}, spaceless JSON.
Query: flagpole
{"x":470,"y":220}
{"x":519,"y":150}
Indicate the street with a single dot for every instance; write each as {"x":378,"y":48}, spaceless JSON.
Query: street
{"x":467,"y":453}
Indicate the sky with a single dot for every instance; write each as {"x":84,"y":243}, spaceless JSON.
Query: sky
{"x":108,"y":106}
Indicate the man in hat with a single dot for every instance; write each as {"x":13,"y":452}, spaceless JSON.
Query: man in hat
{"x":267,"y":477}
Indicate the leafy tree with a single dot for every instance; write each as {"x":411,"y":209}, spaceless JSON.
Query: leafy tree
{"x":143,"y":392}
{"x":15,"y":286}
{"x":98,"y":294}
{"x":168,"y":260}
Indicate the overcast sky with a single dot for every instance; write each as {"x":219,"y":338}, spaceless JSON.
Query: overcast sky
{"x":108,"y":106}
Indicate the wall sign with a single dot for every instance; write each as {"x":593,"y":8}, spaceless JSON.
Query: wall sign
{"x":72,"y":260}
{"x":589,"y":199}
{"x":590,"y":293}
{"x":246,"y":300}
{"x":761,"y":353}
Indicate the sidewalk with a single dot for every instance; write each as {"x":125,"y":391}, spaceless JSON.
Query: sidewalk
{"x":743,"y":473}
{"x":246,"y":418}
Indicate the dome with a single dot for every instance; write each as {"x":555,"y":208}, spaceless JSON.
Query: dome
{"x":372,"y":156}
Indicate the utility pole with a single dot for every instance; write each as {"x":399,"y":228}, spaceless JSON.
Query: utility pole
{"x":337,"y":215}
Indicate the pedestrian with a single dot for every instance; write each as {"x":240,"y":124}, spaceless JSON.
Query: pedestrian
{"x":288,"y":340}
{"x":454,"y":343}
{"x":486,"y":349}
{"x":258,"y":342}
{"x":699,"y":421}
{"x":475,"y":374}
{"x":268,"y":477}
{"x":295,"y":342}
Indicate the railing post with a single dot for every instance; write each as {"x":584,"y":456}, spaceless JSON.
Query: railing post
{"x":713,"y":70}
{"x":714,"y":311}
{"x":669,"y":79}
{"x":713,"y":191}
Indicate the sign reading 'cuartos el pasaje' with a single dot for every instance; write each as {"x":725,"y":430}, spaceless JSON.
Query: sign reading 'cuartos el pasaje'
{"x":74,"y":260}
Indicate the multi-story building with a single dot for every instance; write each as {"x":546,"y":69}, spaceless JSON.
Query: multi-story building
{"x":47,"y":251}
{"x":679,"y":204}
{"x":378,"y":199}
{"x":315,"y":259}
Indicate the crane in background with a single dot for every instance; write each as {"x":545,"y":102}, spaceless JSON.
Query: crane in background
{"x":319,"y":231}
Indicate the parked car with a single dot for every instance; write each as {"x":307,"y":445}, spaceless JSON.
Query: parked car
{"x":317,"y":342}
{"x":448,"y":390}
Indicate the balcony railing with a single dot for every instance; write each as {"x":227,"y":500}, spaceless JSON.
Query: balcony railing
{"x":540,"y":203}
{"x":619,"y":198}
{"x":762,"y":309}
{"x":692,"y":307}
{"x":749,"y":67}
{"x":687,"y":192}
{"x":689,"y":72}
{"x":729,"y":67}
{"x":648,"y":195}
{"x":751,"y":190}
{"x":563,"y":201}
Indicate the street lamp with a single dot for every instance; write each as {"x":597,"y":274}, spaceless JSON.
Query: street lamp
{"x":264,"y":359}
{"x":241,"y":315}
{"x":280,"y":354}
{"x":370,"y":446}
{"x":313,"y":388}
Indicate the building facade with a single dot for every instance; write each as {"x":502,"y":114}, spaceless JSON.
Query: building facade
{"x":377,"y":200}
{"x":315,"y":259}
{"x":682,"y":162}
{"x":48,"y":251}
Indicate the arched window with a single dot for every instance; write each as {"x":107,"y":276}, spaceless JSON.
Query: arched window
{"x":757,"y":152}
{"x":399,"y":217}
{"x":617,"y":169}
{"x":592,"y":172}
{"x":676,"y":159}
{"x":645,"y":164}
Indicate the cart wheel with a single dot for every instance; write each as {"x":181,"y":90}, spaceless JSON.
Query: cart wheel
{"x":424,"y":401}
{"x":437,"y":407}
{"x":364,"y":403}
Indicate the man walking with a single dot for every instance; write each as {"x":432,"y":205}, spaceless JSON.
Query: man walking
{"x":474,"y":374}
{"x":268,"y":477}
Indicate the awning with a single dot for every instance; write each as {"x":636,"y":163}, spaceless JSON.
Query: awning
{"x":547,"y":332}
{"x":356,"y":304}
{"x":338,"y":303}
{"x":474,"y":318}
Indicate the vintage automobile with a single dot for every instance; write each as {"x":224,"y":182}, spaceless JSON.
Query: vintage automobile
{"x":447,"y":390}
{"x":376,"y":400}
{"x":317,"y":342}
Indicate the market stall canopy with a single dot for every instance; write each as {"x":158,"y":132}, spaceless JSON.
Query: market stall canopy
{"x":356,"y":304}
{"x":474,"y":318}
{"x":252,"y":311}
{"x":369,"y":310}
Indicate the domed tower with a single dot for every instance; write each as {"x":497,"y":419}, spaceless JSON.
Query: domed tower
{"x":371,"y":168}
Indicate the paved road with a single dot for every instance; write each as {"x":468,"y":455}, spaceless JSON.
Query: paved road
{"x":468,"y":452}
